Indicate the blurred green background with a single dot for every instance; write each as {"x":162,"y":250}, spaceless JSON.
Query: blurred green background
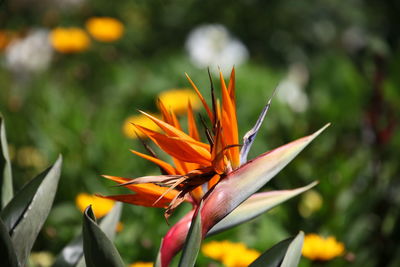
{"x":336,"y":61}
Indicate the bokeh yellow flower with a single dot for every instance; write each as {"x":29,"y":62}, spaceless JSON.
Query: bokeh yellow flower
{"x":29,"y":156}
{"x":42,"y":258}
{"x":100,"y":206}
{"x":142,"y":264}
{"x":105,"y":29}
{"x":320,"y":248}
{"x":229,"y":253}
{"x":311,"y":201}
{"x":177,"y":100}
{"x":69,"y":40}
{"x":129,"y":129}
{"x":120,"y":226}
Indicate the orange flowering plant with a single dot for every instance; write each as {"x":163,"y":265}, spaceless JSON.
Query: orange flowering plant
{"x":214,"y":176}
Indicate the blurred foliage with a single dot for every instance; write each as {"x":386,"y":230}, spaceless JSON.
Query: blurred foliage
{"x":349,"y":49}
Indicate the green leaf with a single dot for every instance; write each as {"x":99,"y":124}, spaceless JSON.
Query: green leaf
{"x":24,"y":219}
{"x":193,"y":241}
{"x":72,"y":254}
{"x":7,"y":254}
{"x":16,"y":208}
{"x":6,"y":187}
{"x":97,"y":247}
{"x":256,"y":205}
{"x":293,"y":254}
{"x":273,"y":256}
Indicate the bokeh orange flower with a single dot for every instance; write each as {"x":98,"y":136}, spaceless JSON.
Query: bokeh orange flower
{"x":229,"y":253}
{"x":105,"y":29}
{"x":100,"y":206}
{"x":69,"y":40}
{"x":316,"y":247}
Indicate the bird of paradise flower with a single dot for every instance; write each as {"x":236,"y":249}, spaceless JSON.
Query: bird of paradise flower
{"x":216,"y":174}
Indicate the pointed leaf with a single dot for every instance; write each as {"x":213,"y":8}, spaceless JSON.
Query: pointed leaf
{"x":24,"y":219}
{"x":6,"y":187}
{"x":98,"y":248}
{"x":72,"y":254}
{"x":16,"y":208}
{"x":7,"y":254}
{"x":241,"y":183}
{"x":293,"y":254}
{"x":273,"y":256}
{"x":250,"y":136}
{"x":193,"y":241}
{"x":256,"y":205}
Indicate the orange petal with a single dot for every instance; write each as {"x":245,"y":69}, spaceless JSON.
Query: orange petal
{"x":117,"y":179}
{"x":192,"y":166}
{"x":218,"y":113}
{"x":231,"y":86}
{"x":180,"y":166}
{"x":152,"y":190}
{"x":197,"y":193}
{"x":165,"y":114}
{"x":193,"y":132}
{"x":172,"y":131}
{"x":185,"y":167}
{"x":217,"y":151}
{"x":139,"y":200}
{"x":229,"y":123}
{"x":209,"y":113}
{"x":213,"y":180}
{"x":178,"y":148}
{"x":175,"y":121}
{"x":167,"y":167}
{"x":228,"y":135}
{"x":168,"y":116}
{"x":222,"y":80}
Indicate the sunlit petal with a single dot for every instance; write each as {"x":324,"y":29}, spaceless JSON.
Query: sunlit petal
{"x":193,"y":132}
{"x":177,"y":148}
{"x":149,"y":189}
{"x":139,"y":200}
{"x":167,"y":167}
{"x":209,"y":113}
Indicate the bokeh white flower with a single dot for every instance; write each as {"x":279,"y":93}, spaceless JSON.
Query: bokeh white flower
{"x":213,"y":46}
{"x":354,"y":39}
{"x":291,"y":89}
{"x":32,"y":53}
